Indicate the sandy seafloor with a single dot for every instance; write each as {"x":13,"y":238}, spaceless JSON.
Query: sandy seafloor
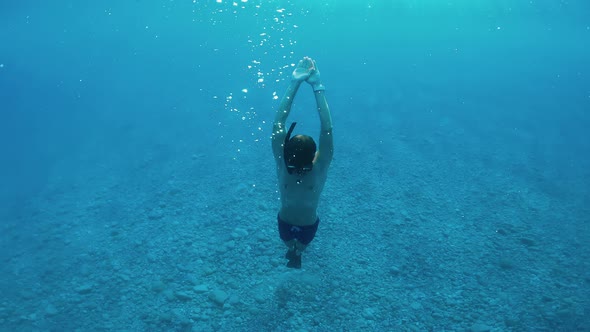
{"x":156,"y":237}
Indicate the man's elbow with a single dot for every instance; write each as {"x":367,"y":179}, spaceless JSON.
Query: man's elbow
{"x":327,"y":130}
{"x":327,"y":152}
{"x":330,"y":154}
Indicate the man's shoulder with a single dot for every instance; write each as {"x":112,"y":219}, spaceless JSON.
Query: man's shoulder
{"x":319,"y":174}
{"x":322,"y":163}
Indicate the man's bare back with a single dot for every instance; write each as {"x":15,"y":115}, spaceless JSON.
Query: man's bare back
{"x":300,"y":195}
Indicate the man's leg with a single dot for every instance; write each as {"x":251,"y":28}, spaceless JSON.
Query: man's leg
{"x":299,"y":247}
{"x":295,"y":246}
{"x":302,"y":239}
{"x":291,"y":247}
{"x":294,"y":254}
{"x":286,"y":235}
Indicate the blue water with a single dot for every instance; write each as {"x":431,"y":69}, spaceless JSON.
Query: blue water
{"x":138,"y":190}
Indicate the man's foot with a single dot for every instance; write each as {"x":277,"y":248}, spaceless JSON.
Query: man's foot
{"x":294,"y":260}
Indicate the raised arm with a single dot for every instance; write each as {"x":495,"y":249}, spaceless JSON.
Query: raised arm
{"x":302,"y":71}
{"x":326,"y":149}
{"x":278,"y":128}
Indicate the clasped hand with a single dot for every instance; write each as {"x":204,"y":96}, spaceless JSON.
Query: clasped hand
{"x":307,"y":70}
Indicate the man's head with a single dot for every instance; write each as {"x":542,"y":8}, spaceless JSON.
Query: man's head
{"x":299,"y":152}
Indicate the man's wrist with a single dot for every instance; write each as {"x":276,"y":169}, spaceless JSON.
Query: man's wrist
{"x":318,"y":87}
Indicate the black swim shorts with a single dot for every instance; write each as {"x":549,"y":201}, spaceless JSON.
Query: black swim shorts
{"x":303,"y":234}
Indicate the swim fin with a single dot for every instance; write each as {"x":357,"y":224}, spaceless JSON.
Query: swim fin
{"x":290,"y":254}
{"x":294,"y":259}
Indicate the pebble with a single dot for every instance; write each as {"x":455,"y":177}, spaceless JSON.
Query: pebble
{"x":183,"y":296}
{"x":201,"y":288}
{"x":369,"y":313}
{"x":394,"y":270}
{"x":218,"y":297}
{"x":156,"y":215}
{"x":239,"y":232}
{"x":416,"y":306}
{"x":528,"y":242}
{"x":478,"y":327}
{"x":208,"y":271}
{"x":258,"y":297}
{"x":158,"y":286}
{"x":84,"y":289}
{"x":50,"y":310}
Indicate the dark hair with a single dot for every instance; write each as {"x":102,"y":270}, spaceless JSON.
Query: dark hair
{"x":300,"y":151}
